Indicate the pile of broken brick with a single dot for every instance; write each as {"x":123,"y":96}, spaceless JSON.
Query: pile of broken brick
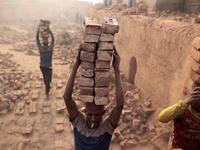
{"x":143,"y":10}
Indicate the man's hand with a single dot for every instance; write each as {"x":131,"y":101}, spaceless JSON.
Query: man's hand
{"x":116,"y":59}
{"x":194,"y":96}
{"x":77,"y":61}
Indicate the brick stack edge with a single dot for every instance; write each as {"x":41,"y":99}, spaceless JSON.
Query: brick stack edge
{"x":96,"y":54}
{"x":44,"y":29}
{"x":194,"y":61}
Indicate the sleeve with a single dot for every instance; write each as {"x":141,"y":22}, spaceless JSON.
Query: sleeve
{"x":78,"y":120}
{"x":172,"y":112}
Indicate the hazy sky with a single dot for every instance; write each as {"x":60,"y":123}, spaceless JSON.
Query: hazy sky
{"x":93,"y":1}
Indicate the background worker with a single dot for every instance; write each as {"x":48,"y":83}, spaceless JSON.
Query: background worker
{"x":46,"y":52}
{"x":186,"y":121}
{"x":90,"y":131}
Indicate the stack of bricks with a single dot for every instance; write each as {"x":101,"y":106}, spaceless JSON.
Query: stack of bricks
{"x":194,"y":61}
{"x":44,"y":29}
{"x":96,"y":54}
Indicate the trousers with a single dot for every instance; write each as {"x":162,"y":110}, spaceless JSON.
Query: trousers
{"x":47,"y":76}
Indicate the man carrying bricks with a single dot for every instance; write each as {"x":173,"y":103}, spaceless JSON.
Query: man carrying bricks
{"x":90,"y":131}
{"x":186,"y":121}
{"x":46,"y":59}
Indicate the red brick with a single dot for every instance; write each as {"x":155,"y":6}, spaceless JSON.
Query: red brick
{"x":99,"y":100}
{"x":193,"y":64}
{"x":86,"y":98}
{"x":102,"y":91}
{"x":117,"y":132}
{"x":89,"y":82}
{"x":194,"y":76}
{"x":92,"y":26}
{"x":100,"y":73}
{"x":87,"y":72}
{"x":122,"y":127}
{"x":90,"y":47}
{"x":127,"y":131}
{"x":106,"y":37}
{"x":105,"y":46}
{"x":104,"y":55}
{"x":91,"y":38}
{"x":86,"y":91}
{"x":102,"y":64}
{"x":131,"y":143}
{"x":102,"y":82}
{"x":194,"y":53}
{"x":87,"y":65}
{"x":87,"y":56}
{"x":110,"y":25}
{"x":136,"y":124}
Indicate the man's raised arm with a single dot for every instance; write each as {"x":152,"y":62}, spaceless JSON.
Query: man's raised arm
{"x":116,"y":112}
{"x":37,"y":38}
{"x":69,"y":102}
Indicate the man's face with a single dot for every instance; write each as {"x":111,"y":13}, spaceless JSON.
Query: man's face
{"x":94,"y":119}
{"x":45,"y":44}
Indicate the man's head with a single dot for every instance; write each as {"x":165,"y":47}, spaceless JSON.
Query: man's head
{"x":94,"y":114}
{"x":45,"y":44}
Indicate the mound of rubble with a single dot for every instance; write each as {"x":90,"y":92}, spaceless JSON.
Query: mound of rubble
{"x":142,"y":9}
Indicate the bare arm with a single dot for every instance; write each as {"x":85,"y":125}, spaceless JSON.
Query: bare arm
{"x":52,"y":39}
{"x":116,"y":112}
{"x":37,"y":38}
{"x":69,"y":102}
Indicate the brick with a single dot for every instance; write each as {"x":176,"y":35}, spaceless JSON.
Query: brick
{"x":59,"y":94}
{"x":46,"y":110}
{"x":104,"y":55}
{"x":127,"y":131}
{"x":32,"y":110}
{"x":86,"y":91}
{"x":92,"y":26}
{"x":117,"y":132}
{"x":105,"y":46}
{"x":89,"y":82}
{"x":59,"y":128}
{"x":19,"y":111}
{"x":86,"y":98}
{"x":87,"y":65}
{"x":194,"y":20}
{"x":194,"y":76}
{"x":127,"y":136}
{"x":87,"y":56}
{"x":126,"y":112}
{"x":101,"y":91}
{"x":142,"y":128}
{"x":28,"y":130}
{"x":151,"y":127}
{"x":91,"y":38}
{"x":122,"y":126}
{"x":128,"y":117}
{"x":46,"y":104}
{"x":136,"y":123}
{"x":90,"y":47}
{"x":102,"y":82}
{"x":60,"y":104}
{"x":106,"y":37}
{"x":195,"y":54}
{"x":102,"y":64}
{"x":61,"y":109}
{"x":58,"y":144}
{"x":87,"y":72}
{"x":59,"y":121}
{"x":34,"y":96}
{"x":136,"y":97}
{"x":59,"y":84}
{"x":131,"y":143}
{"x":99,"y":100}
{"x":102,"y":73}
{"x":110,"y":25}
{"x":149,"y":111}
{"x":193,"y":64}
{"x":33,"y":104}
{"x":121,"y":138}
{"x":38,"y":84}
{"x":141,"y":112}
{"x":21,"y":105}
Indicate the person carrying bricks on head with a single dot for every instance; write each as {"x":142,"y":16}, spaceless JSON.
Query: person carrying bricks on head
{"x":46,"y":52}
{"x":91,"y":132}
{"x":186,"y":121}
